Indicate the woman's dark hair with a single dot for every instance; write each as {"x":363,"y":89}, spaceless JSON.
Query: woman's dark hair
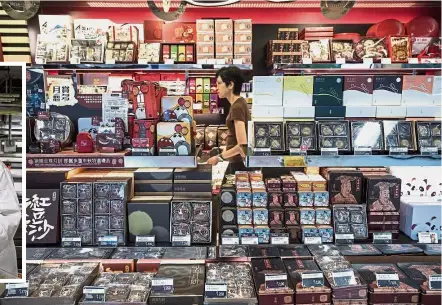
{"x":233,"y":75}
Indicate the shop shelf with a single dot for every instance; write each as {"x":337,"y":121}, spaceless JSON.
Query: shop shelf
{"x":354,"y":67}
{"x":136,"y":67}
{"x":346,"y":160}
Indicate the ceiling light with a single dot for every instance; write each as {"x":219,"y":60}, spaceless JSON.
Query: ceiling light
{"x":211,"y":3}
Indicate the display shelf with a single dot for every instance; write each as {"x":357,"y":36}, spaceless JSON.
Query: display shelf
{"x":343,"y":161}
{"x":354,"y":67}
{"x":160,"y":161}
{"x":136,"y":67}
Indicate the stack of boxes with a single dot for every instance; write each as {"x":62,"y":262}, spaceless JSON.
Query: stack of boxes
{"x":287,"y":49}
{"x":316,"y":33}
{"x":224,"y":40}
{"x":205,"y":41}
{"x":203,"y":92}
{"x":242,"y":50}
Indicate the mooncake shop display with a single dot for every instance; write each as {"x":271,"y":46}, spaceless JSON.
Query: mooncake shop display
{"x":428,"y":134}
{"x":345,"y":187}
{"x":334,"y":134}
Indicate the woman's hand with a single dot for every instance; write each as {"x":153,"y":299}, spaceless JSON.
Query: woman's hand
{"x":213,"y":160}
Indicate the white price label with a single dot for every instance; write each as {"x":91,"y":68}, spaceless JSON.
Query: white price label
{"x":307,"y":61}
{"x":230,"y":240}
{"x":278,"y":277}
{"x":413,"y":60}
{"x":211,"y":61}
{"x":181,"y":240}
{"x":201,"y":61}
{"x":279,"y":240}
{"x":220,"y":61}
{"x":387,"y":277}
{"x":74,"y":60}
{"x":340,"y":61}
{"x":110,"y":61}
{"x":427,"y":237}
{"x":142,"y":61}
{"x":312,"y":240}
{"x":169,"y":61}
{"x":386,"y":61}
{"x":368,"y":60}
{"x":435,"y":282}
{"x":162,"y":282}
{"x":40,"y":61}
{"x":249,"y":240}
{"x":345,"y":236}
{"x":316,"y":275}
{"x":216,"y":287}
{"x":382,"y":238}
{"x":237,"y":61}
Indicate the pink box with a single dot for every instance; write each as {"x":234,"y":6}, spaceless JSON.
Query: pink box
{"x":243,"y":37}
{"x":243,"y":25}
{"x":224,"y":26}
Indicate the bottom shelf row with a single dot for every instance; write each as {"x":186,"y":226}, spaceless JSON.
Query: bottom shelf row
{"x":271,"y":280}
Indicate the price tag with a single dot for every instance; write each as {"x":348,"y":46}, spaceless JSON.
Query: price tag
{"x":312,"y":279}
{"x":17,"y":290}
{"x":344,"y":239}
{"x":110,"y":61}
{"x":382,"y":238}
{"x":262,"y":151}
{"x":413,"y":60}
{"x":201,"y":61}
{"x":211,"y":61}
{"x":434,"y":282}
{"x":276,"y":281}
{"x":340,"y":61}
{"x":229,"y":240}
{"x":167,"y":152}
{"x":169,"y":61}
{"x":332,"y":151}
{"x":71,"y":242}
{"x":145,"y":241}
{"x":181,"y":240}
{"x":312,"y":240}
{"x":344,"y":278}
{"x":249,"y":239}
{"x":162,"y":285}
{"x":386,"y":61}
{"x":368,"y":61}
{"x":294,"y":161}
{"x":94,"y":294}
{"x":220,"y":61}
{"x":279,"y":238}
{"x":427,"y":237}
{"x":298,"y":152}
{"x":237,"y":61}
{"x":429,"y":151}
{"x":398,"y":151}
{"x":307,"y":61}
{"x":363,"y":151}
{"x":40,"y":61}
{"x":142,"y":61}
{"x":108,"y":241}
{"x":216,"y":290}
{"x":74,"y":60}
{"x":385,"y":279}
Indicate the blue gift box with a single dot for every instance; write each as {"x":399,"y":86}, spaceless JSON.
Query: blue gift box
{"x":263,"y":233}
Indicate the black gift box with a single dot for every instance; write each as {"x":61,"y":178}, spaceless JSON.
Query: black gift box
{"x":383,"y":193}
{"x":44,"y":207}
{"x":228,"y":196}
{"x":155,"y":189}
{"x":148,"y":216}
{"x":154,"y":174}
{"x":299,"y":134}
{"x":269,"y":135}
{"x":228,"y":216}
{"x":202,"y":173}
{"x":328,"y":91}
{"x":345,"y":187}
{"x":334,"y":134}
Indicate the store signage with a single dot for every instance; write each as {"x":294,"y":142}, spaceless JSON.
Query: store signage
{"x":180,"y":240}
{"x":332,"y":151}
{"x":429,"y":151}
{"x":94,"y":294}
{"x":382,"y":238}
{"x":363,"y":151}
{"x":298,"y":152}
{"x":434,"y":282}
{"x":71,"y":242}
{"x":262,"y":151}
{"x":413,"y":60}
{"x":307,"y":61}
{"x":312,"y":240}
{"x":344,"y":278}
{"x":344,"y":239}
{"x":340,"y":61}
{"x":162,"y":285}
{"x":386,"y":61}
{"x":398,"y":151}
{"x":387,"y":279}
{"x":108,"y":241}
{"x":279,"y":238}
{"x":276,"y":281}
{"x":216,"y":290}
{"x":230,"y":239}
{"x":249,"y":239}
{"x":312,"y":279}
{"x":77,"y":161}
{"x":367,"y":60}
{"x":167,"y":151}
{"x":427,"y":237}
{"x":145,"y":241}
{"x":17,"y":290}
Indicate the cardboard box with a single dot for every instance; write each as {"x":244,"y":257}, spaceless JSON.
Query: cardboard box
{"x":224,"y":48}
{"x":298,"y":91}
{"x":387,"y":90}
{"x":267,"y":90}
{"x":299,"y":112}
{"x":417,"y":90}
{"x":243,"y":37}
{"x":391,"y":112}
{"x":360,"y":111}
{"x":205,"y":25}
{"x":205,"y":38}
{"x":242,"y":25}
{"x":205,"y":49}
{"x":242,"y":49}
{"x":358,"y":90}
{"x":223,"y":26}
{"x":223,"y":38}
{"x":267,"y":112}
